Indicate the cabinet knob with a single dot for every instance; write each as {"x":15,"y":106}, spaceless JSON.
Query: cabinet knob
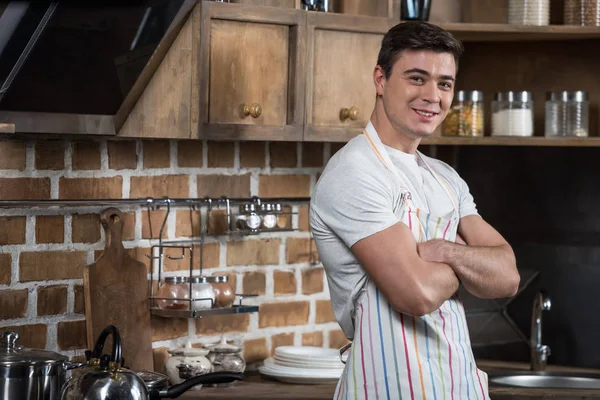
{"x":351,"y":113}
{"x":254,"y":110}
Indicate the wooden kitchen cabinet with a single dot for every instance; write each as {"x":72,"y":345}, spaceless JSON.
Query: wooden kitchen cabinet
{"x":340,"y":95}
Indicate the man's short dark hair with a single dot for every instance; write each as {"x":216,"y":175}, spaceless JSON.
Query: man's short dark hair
{"x":416,"y":35}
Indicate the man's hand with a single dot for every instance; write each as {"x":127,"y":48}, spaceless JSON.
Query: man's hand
{"x":433,"y":250}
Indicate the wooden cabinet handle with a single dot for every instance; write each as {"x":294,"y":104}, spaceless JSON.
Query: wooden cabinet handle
{"x":351,"y":113}
{"x":254,"y":110}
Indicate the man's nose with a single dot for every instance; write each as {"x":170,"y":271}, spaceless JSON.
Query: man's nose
{"x":430,"y":92}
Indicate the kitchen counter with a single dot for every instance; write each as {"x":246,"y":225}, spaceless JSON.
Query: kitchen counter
{"x":257,"y":387}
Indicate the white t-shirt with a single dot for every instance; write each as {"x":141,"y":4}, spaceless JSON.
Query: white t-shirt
{"x":357,"y":196}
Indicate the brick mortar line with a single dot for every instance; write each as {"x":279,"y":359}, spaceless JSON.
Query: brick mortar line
{"x":44,"y":320}
{"x":36,"y":284}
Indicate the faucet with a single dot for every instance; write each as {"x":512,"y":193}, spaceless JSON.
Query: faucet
{"x":539,"y":352}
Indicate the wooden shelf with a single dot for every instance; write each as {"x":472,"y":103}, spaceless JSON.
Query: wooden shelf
{"x":7,"y":128}
{"x":472,"y":32}
{"x":513,"y":141}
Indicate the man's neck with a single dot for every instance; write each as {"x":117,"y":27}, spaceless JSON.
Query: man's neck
{"x":389,"y":135}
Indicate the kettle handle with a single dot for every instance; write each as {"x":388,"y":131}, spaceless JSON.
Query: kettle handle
{"x":117,"y":347}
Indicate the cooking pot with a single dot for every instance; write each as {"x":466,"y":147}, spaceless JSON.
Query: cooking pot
{"x":107,"y":379}
{"x":30,"y":374}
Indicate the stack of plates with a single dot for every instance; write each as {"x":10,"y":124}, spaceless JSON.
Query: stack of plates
{"x":304,"y":364}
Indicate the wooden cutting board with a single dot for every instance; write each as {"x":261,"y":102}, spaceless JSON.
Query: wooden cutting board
{"x":116,"y":293}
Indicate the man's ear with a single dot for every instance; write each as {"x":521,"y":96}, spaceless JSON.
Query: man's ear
{"x":379,"y":80}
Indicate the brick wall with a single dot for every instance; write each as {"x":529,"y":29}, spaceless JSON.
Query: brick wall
{"x":43,"y":250}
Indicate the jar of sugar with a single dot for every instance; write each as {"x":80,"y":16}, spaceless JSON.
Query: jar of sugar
{"x":512,"y":114}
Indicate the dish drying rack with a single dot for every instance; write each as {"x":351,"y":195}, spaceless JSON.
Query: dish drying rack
{"x":157,"y":255}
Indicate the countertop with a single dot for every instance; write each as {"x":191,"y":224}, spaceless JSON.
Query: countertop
{"x":257,"y":387}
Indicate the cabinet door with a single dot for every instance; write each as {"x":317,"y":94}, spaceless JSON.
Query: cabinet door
{"x":340,"y":92}
{"x":251,"y":80}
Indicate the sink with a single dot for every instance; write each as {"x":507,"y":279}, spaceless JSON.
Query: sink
{"x":542,"y":379}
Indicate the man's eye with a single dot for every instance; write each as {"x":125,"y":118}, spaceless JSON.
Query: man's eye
{"x":417,"y":78}
{"x":446,"y":85}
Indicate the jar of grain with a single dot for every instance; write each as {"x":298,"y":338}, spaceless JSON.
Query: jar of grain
{"x":582,"y":12}
{"x":529,"y":12}
{"x":512,"y":114}
{"x":466,"y":114}
{"x":567,"y":114}
{"x":174,"y":293}
{"x":224,"y":292}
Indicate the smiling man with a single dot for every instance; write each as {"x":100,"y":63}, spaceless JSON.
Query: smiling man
{"x":398,"y":232}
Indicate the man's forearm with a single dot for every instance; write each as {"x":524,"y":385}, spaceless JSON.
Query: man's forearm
{"x":486,"y":272}
{"x":439,"y":283}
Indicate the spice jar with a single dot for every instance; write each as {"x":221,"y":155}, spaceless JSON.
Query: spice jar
{"x":582,"y":12}
{"x":176,"y":287}
{"x":529,"y":12}
{"x":250,"y":219}
{"x":567,"y":114}
{"x":269,"y":220}
{"x":466,"y":114}
{"x":203,"y":294}
{"x":282,"y":217}
{"x":226,"y":357}
{"x":224,"y":292}
{"x":512,"y":114}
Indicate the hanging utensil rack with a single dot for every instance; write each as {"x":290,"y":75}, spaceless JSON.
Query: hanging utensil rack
{"x":186,"y":245}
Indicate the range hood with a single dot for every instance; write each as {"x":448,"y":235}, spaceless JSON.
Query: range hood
{"x":82,"y":62}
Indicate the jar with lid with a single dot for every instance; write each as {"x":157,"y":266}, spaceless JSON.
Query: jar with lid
{"x":567,"y":114}
{"x":187,"y":362}
{"x":283,"y":218}
{"x":224,"y":292}
{"x":269,"y":219}
{"x":203,"y":294}
{"x":466,"y":114}
{"x":512,"y":114}
{"x":529,"y":12}
{"x":248,"y":218}
{"x":582,"y":12}
{"x":226,"y":357}
{"x":175,"y":287}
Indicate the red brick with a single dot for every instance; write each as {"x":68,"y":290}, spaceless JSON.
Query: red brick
{"x":71,"y":335}
{"x":324,"y":312}
{"x":284,"y":282}
{"x":189,"y":154}
{"x":86,"y":228}
{"x":49,"y":229}
{"x":86,"y":156}
{"x":312,"y":280}
{"x":5,"y":268}
{"x":337,"y":339}
{"x":13,"y":303}
{"x":299,"y":250}
{"x":188,"y":223}
{"x":255,"y":350}
{"x":51,"y":265}
{"x":24,"y":188}
{"x":253,"y":252}
{"x":50,"y":155}
{"x":168,"y":328}
{"x":157,"y":154}
{"x":51,"y":300}
{"x":32,"y":336}
{"x":254,"y":283}
{"x":219,"y":324}
{"x":79,"y":306}
{"x":312,"y":154}
{"x":312,"y":339}
{"x":217,"y":222}
{"x":281,"y":339}
{"x":12,"y":154}
{"x":220,"y":154}
{"x":128,"y":232}
{"x":122,"y":154}
{"x":91,"y":188}
{"x":284,"y":186}
{"x":210,"y":258}
{"x":303,"y":218}
{"x":252,"y":154}
{"x":152,"y":222}
{"x":283,"y":154}
{"x":283,"y":314}
{"x":12,"y":230}
{"x":160,"y":357}
{"x":176,"y":186}
{"x":224,"y":185}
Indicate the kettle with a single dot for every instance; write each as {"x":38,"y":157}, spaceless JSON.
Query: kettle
{"x":106,"y":378}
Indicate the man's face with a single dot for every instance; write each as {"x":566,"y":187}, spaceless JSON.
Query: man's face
{"x":419,"y":91}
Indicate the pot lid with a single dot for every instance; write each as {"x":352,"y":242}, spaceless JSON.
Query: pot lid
{"x":11,"y":353}
{"x":224,"y":347}
{"x":189,"y":351}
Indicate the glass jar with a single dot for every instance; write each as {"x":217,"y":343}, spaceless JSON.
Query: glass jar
{"x":282,"y":217}
{"x":269,"y":220}
{"x":582,"y":12}
{"x":203,"y":294}
{"x":176,"y":287}
{"x":529,"y":12}
{"x":466,"y":114}
{"x":512,"y":114}
{"x":224,"y":292}
{"x":252,"y":220}
{"x":567,"y":114}
{"x":226,"y":357}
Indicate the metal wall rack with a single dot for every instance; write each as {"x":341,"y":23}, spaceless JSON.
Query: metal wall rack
{"x":184,"y":245}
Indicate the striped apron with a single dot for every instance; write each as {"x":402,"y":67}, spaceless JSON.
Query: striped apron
{"x":398,"y":356}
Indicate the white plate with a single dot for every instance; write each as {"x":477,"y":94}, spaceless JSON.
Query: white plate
{"x":302,"y":372}
{"x":271,"y":362}
{"x":308,"y":353}
{"x":307,"y":364}
{"x":305,"y":380}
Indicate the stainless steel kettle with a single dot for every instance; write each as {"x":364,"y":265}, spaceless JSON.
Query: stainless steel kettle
{"x":107,"y":379}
